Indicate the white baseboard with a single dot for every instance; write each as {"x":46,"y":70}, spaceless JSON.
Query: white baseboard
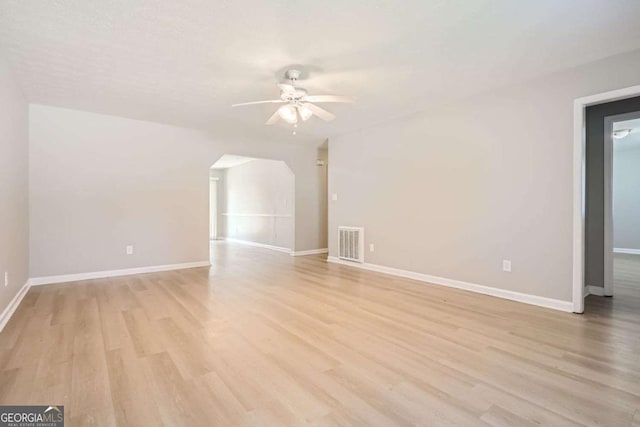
{"x":13,"y":305}
{"x":36,"y":281}
{"x":594,"y":290}
{"x":258,"y":245}
{"x":310,"y":252}
{"x":626,"y":251}
{"x":555,"y":304}
{"x":278,"y":248}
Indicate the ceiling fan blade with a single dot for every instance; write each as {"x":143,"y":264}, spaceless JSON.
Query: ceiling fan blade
{"x":328,"y":98}
{"x":273,"y":119}
{"x":320,"y":112}
{"x":271,"y":101}
{"x":286,"y":88}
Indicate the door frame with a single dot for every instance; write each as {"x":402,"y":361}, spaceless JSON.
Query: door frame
{"x":579,"y":143}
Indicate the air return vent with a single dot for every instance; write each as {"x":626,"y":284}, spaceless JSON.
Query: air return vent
{"x":351,"y":240}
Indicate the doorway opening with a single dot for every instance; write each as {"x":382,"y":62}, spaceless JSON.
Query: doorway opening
{"x":622,"y":202}
{"x":252,"y":203}
{"x":608,"y":196}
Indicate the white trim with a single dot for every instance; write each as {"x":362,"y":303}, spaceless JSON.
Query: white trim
{"x":608,"y":205}
{"x":13,"y":305}
{"x":578,"y":206}
{"x":258,"y":245}
{"x":473,"y":287}
{"x":594,"y":290}
{"x":46,"y":280}
{"x":310,"y":252}
{"x":579,"y":106}
{"x":626,"y":251}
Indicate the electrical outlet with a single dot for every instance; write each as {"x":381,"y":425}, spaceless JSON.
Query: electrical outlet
{"x":371,"y":247}
{"x":6,"y":278}
{"x":129,"y":249}
{"x":506,"y":265}
{"x":334,"y":196}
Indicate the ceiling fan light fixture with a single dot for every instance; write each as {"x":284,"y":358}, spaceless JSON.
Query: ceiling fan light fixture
{"x":288,"y":113}
{"x":297,"y":104}
{"x":305,"y":112}
{"x":621,"y":133}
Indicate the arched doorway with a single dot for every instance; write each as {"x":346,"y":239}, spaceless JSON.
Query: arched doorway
{"x":252,"y":202}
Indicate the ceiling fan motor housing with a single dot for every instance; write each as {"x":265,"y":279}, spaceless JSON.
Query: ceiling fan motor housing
{"x":294,"y":95}
{"x":291,"y":92}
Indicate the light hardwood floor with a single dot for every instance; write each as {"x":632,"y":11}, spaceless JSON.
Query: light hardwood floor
{"x":262,"y":338}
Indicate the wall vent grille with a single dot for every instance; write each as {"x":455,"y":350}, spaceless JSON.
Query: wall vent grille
{"x":351,"y":241}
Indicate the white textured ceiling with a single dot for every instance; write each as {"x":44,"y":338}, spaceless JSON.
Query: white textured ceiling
{"x":185,"y":62}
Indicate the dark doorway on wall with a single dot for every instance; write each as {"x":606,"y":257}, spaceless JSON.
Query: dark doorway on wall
{"x":612,"y":195}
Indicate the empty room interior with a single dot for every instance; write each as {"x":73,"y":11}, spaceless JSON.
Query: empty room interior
{"x":353,"y":213}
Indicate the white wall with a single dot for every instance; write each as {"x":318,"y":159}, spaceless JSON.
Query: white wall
{"x":258,"y":203}
{"x":626,"y":198}
{"x":99,"y":182}
{"x":14,"y":209}
{"x":219,"y":175}
{"x":454,"y":191}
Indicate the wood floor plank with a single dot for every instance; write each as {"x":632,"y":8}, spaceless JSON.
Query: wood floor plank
{"x":133,"y":402}
{"x":262,"y":338}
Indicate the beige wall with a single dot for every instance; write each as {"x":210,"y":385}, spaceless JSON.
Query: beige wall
{"x":99,"y":183}
{"x":322,"y":203}
{"x":454,"y":191}
{"x":257,"y":203}
{"x":14,"y":209}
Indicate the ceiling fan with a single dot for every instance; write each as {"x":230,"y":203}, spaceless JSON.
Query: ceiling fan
{"x":298,"y":104}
